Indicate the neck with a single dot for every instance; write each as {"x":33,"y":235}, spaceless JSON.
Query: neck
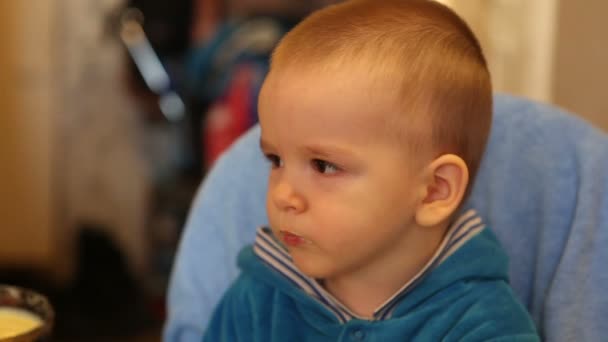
{"x":364,"y":289}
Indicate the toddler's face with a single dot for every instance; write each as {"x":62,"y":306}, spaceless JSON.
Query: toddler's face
{"x":341,"y":194}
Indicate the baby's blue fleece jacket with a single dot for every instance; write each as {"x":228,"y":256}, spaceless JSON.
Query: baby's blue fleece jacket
{"x":465,"y":298}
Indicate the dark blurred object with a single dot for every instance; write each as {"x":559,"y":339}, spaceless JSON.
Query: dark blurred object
{"x":160,"y":95}
{"x":158,"y":76}
{"x":167,"y":24}
{"x":207,"y":15}
{"x":224,"y":78}
{"x":104,"y":301}
{"x":149,"y":65}
{"x":163,"y":36}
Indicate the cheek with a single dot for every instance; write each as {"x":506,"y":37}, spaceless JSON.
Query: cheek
{"x":341,"y":224}
{"x":366,"y":209}
{"x":356,"y":206}
{"x":268,"y":204}
{"x":271,"y":213}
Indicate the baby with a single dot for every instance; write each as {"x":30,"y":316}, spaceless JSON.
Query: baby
{"x":374,"y":117}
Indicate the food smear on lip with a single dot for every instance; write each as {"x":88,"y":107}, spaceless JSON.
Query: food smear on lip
{"x":291,"y":239}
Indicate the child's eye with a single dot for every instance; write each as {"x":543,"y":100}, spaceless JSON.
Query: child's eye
{"x":274,"y":160}
{"x":324,"y":167}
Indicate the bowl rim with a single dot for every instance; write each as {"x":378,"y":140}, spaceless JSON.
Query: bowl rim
{"x":31,"y":301}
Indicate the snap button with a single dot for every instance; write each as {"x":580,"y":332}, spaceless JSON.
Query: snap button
{"x":358,"y":335}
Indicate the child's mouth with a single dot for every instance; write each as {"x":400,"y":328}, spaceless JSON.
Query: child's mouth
{"x":291,"y":239}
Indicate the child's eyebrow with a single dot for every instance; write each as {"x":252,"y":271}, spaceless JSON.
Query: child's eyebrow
{"x":327,"y":150}
{"x":315,"y":149}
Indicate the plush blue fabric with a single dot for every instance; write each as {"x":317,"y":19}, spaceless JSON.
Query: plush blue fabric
{"x":466,"y":298}
{"x":542,"y":187}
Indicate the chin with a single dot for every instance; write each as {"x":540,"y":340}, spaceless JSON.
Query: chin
{"x":313,"y":269}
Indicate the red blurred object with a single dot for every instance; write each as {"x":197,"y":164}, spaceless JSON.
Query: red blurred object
{"x":230,"y":116}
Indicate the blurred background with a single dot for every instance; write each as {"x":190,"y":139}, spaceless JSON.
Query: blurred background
{"x":112,"y":111}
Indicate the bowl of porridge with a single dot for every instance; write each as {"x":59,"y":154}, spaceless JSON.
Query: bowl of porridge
{"x":25,"y":315}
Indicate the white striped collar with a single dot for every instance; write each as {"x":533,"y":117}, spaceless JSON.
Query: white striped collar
{"x":276,"y":256}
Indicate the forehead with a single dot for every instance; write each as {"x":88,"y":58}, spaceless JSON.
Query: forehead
{"x":337,"y":103}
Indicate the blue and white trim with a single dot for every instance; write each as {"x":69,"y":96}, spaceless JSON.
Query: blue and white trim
{"x":464,"y":228}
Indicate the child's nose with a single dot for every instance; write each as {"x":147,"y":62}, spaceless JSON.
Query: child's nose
{"x":286,"y":198}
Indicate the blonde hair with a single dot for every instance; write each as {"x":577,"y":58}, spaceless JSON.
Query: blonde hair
{"x":423,"y":49}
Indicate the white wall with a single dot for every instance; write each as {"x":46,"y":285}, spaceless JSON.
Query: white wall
{"x":554,"y":51}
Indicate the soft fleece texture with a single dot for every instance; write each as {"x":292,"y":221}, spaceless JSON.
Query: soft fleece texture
{"x":465,"y":298}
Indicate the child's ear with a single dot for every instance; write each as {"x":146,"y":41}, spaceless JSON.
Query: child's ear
{"x":445,"y":186}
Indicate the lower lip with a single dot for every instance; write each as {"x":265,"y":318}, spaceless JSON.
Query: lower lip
{"x":292,"y":240}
